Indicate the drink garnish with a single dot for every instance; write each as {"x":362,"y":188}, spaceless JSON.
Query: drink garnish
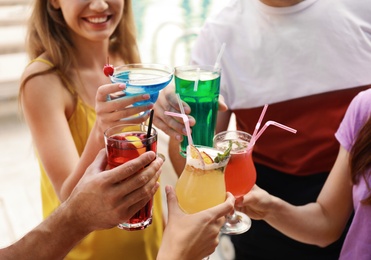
{"x":222,"y":156}
{"x":196,"y":154}
{"x":207,"y":159}
{"x":108,"y":69}
{"x":135,"y":140}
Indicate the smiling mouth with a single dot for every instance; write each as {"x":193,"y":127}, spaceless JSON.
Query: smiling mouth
{"x":98,"y":20}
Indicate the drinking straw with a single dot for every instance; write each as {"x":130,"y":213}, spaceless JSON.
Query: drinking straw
{"x":195,"y":87}
{"x":268,"y":123}
{"x":257,"y":126}
{"x":180,"y":103}
{"x":148,"y":147}
{"x":186,"y":123}
{"x":218,"y":59}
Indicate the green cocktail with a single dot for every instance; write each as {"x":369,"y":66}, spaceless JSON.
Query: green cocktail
{"x":198,"y":86}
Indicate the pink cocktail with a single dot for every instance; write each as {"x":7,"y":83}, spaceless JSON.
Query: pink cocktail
{"x":240,"y":174}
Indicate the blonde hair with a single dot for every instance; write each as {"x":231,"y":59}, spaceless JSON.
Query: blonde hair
{"x":48,"y":33}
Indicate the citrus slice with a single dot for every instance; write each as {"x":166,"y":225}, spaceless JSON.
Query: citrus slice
{"x":135,"y":140}
{"x":207,"y":159}
{"x":195,"y":154}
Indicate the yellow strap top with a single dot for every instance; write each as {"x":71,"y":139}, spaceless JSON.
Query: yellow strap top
{"x":105,"y":244}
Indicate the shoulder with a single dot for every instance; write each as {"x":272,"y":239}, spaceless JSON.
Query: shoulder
{"x":36,"y":85}
{"x":34,"y":72}
{"x":358,"y":112}
{"x":360,"y":105}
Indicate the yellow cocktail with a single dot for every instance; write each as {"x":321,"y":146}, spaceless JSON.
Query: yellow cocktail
{"x":202,"y":184}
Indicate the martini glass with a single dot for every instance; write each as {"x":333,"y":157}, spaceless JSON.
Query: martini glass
{"x":240,"y":175}
{"x":143,"y":78}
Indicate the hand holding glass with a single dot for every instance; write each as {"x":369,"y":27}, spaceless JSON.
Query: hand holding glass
{"x":124,"y":143}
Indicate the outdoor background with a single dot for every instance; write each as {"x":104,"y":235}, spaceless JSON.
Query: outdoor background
{"x":166,"y":31}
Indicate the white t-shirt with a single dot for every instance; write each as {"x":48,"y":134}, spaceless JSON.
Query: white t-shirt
{"x":278,"y":54}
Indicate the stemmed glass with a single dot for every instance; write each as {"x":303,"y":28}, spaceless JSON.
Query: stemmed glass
{"x":240,"y":175}
{"x":201,"y":184}
{"x":143,"y":78}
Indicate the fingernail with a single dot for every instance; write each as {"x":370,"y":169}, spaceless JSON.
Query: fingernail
{"x":179,"y":138}
{"x":145,"y":96}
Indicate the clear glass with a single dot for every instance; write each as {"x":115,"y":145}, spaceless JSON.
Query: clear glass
{"x":199,"y":86}
{"x":240,"y":175}
{"x":201,"y":186}
{"x":126,"y":142}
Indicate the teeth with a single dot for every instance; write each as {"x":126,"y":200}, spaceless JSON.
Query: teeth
{"x":97,"y":19}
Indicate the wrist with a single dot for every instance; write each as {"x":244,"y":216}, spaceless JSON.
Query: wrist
{"x":70,"y":217}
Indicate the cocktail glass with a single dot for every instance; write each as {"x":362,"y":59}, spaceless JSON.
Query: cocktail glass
{"x":199,"y":86}
{"x":126,"y":142}
{"x":143,"y":78}
{"x":201,"y":184}
{"x":240,"y":175}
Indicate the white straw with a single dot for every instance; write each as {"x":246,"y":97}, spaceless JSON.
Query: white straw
{"x":195,"y":87}
{"x":218,"y":59}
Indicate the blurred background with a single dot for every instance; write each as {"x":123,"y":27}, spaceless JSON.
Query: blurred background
{"x":166,"y":32}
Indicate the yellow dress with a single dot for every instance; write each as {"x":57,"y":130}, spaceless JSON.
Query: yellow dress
{"x":104,"y":244}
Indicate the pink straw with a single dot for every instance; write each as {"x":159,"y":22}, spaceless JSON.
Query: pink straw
{"x":268,"y":123}
{"x":257,"y":126}
{"x":186,"y":122}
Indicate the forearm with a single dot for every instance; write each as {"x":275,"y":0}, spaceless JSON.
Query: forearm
{"x":176,"y":159}
{"x":308,"y":223}
{"x":52,"y":239}
{"x":94,"y":144}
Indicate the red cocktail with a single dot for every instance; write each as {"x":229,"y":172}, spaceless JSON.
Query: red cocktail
{"x":124,"y":143}
{"x":240,"y":175}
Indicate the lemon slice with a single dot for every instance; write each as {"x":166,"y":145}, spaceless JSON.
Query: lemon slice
{"x":207,"y":159}
{"x":202,"y":156}
{"x":135,"y":140}
{"x":195,"y":154}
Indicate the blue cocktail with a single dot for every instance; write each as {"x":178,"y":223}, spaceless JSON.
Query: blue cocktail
{"x":143,"y":78}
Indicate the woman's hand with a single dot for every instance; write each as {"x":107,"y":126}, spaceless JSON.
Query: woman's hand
{"x":117,"y":107}
{"x":255,"y":203}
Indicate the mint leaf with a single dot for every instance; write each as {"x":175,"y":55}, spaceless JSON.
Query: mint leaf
{"x":221,"y":157}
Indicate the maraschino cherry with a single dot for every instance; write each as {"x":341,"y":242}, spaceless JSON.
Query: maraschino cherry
{"x":108,"y":69}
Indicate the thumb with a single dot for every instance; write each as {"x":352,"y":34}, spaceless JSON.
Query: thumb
{"x":172,"y":201}
{"x":224,"y":208}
